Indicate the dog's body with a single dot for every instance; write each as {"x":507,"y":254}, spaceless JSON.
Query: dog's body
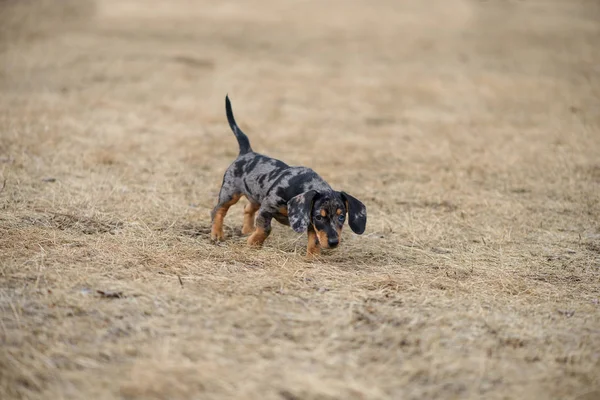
{"x":294,"y":196}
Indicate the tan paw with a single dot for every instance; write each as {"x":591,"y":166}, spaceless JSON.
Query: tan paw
{"x":257,"y":238}
{"x":216,"y":235}
{"x":247,"y":229}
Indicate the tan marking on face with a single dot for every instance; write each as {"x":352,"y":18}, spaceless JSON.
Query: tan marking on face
{"x":323,"y":213}
{"x":322,"y":236}
{"x":312,"y":247}
{"x":258,"y":237}
{"x":283,"y":211}
{"x":216,"y":231}
{"x":249,"y":212}
{"x":339,"y":211}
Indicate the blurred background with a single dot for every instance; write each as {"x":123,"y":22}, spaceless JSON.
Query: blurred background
{"x":462,"y":75}
{"x":470,"y":129}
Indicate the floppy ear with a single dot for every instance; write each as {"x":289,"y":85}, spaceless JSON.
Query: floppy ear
{"x":357,"y":213}
{"x":299,"y":208}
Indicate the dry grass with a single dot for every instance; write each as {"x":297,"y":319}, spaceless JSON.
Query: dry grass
{"x":471,"y":130}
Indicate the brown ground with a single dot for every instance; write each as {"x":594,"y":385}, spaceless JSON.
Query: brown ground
{"x":471,"y":130}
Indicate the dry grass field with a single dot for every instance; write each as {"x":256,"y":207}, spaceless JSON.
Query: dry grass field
{"x":470,"y":129}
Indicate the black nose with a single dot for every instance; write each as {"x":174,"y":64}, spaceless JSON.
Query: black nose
{"x":333,"y":242}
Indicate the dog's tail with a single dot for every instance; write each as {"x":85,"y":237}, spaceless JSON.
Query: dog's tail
{"x":239,"y":135}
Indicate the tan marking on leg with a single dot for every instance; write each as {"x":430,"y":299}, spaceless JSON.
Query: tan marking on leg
{"x":283,"y":211}
{"x":323,"y":213}
{"x":258,"y":237}
{"x":312,"y":248}
{"x":249,"y":213}
{"x":216,"y":231}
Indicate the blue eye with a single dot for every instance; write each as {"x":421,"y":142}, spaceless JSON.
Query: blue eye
{"x":342,"y":218}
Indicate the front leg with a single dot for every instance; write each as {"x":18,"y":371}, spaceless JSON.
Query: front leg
{"x":263,"y":227}
{"x":313,"y":248}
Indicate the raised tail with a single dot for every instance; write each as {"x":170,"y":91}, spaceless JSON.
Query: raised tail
{"x":239,"y":135}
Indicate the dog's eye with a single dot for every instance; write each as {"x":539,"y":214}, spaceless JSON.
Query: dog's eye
{"x":318,"y":218}
{"x":342,"y":218}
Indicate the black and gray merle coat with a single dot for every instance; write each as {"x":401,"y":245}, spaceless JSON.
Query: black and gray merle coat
{"x":294,"y":196}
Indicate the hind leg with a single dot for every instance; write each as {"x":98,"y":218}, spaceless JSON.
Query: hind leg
{"x":249,"y":213}
{"x":228,"y":196}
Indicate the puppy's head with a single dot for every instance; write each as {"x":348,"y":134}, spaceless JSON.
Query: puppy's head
{"x":326,"y":214}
